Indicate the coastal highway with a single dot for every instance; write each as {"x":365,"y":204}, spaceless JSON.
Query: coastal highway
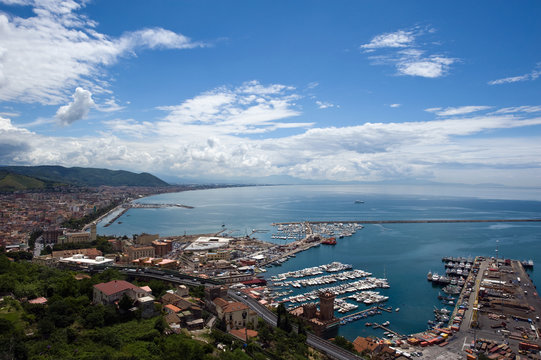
{"x":326,"y":347}
{"x":169,"y":278}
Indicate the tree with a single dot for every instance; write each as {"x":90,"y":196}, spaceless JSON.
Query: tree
{"x":235,"y":355}
{"x":283,"y":321}
{"x":264,"y":332}
{"x":46,"y":327}
{"x":95,"y":317}
{"x":6,"y":327}
{"x":48,"y":250}
{"x":344,"y":343}
{"x":33,"y":236}
{"x":125,"y":303}
{"x":160,"y":324}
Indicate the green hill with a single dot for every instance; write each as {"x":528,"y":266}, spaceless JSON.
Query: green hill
{"x":83,"y":176}
{"x":14,"y":182}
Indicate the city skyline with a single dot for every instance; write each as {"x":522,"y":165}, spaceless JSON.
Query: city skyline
{"x":317,"y":91}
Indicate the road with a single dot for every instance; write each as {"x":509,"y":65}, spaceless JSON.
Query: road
{"x":168,"y":278}
{"x":324,"y":346}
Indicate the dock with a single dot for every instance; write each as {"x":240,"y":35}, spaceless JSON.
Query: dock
{"x":358,"y":313}
{"x":303,"y":246}
{"x":376,"y":326}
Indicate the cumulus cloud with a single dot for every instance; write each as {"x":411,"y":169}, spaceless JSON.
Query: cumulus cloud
{"x":532,"y":75}
{"x":216,"y":134}
{"x":247,"y":109}
{"x":460,"y":110}
{"x":43,"y":57}
{"x":398,"y":39}
{"x":77,"y":109}
{"x":401,"y":50}
{"x":395,"y":105}
{"x":366,"y":152}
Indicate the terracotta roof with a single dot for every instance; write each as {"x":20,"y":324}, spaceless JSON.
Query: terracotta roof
{"x":115,"y":286}
{"x":172,"y":318}
{"x":173,"y":308}
{"x":168,"y":298}
{"x":361,"y":344}
{"x":40,"y":300}
{"x":235,"y":306}
{"x":221,"y":303}
{"x":241,"y":333}
{"x":146,"y":288}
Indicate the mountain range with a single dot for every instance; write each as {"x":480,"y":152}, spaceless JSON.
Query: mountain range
{"x":14,"y":178}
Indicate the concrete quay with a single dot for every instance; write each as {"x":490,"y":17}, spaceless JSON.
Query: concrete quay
{"x":425,"y":221}
{"x":501,"y":308}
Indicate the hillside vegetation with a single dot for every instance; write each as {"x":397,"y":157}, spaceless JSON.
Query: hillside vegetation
{"x":29,"y":177}
{"x":14,"y":182}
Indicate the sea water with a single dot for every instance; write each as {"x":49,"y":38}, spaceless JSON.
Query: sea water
{"x":403,"y":253}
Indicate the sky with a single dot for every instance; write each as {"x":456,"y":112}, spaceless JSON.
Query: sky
{"x":275,"y":91}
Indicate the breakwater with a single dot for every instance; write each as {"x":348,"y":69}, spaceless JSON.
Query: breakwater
{"x":426,"y":221}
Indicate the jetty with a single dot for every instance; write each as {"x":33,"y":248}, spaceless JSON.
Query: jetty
{"x":376,"y":326}
{"x":425,"y":221}
{"x":116,"y":217}
{"x":157,"y":206}
{"x":373,"y":308}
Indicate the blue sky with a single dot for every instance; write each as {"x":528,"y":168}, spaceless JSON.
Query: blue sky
{"x":259,"y":90}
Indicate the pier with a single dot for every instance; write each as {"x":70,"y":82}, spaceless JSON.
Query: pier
{"x":116,"y":217}
{"x":373,"y":308}
{"x":157,"y":206}
{"x":426,"y":221}
{"x":128,"y":206}
{"x":376,"y":326}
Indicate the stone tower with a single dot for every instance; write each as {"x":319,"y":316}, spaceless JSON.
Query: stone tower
{"x":93,"y":234}
{"x":326,"y":306}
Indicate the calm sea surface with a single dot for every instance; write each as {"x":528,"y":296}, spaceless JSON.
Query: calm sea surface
{"x":404,"y":253}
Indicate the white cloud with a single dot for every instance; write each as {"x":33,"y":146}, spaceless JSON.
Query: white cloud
{"x":324,"y":104}
{"x":429,"y":67}
{"x":400,"y":49}
{"x":312,"y":85}
{"x":76,"y":110}
{"x":532,"y":75}
{"x":43,"y":57}
{"x":398,"y":39}
{"x":157,"y":38}
{"x":248,"y":109}
{"x":460,"y":110}
{"x":369,"y":152}
{"x":395,"y":105}
{"x":215,"y":134}
{"x":110,"y":105}
{"x":519,"y":109}
{"x":9,"y":114}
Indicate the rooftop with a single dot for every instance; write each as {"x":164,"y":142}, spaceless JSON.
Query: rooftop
{"x":113,"y":287}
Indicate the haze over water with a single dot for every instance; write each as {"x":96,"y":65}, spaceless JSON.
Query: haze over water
{"x":405,"y":252}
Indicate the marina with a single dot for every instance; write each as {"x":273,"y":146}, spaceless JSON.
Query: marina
{"x":407,"y":251}
{"x":356,"y":284}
